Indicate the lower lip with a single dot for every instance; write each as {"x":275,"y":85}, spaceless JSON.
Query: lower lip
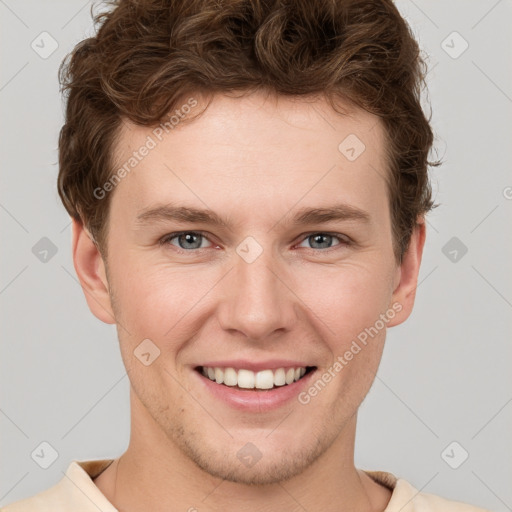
{"x":253,"y":400}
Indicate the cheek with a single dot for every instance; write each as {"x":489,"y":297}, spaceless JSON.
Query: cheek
{"x":349,"y":302}
{"x":157,"y":302}
{"x":346,"y":299}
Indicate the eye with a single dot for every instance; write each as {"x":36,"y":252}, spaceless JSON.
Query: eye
{"x":324,"y":240}
{"x":186,"y":240}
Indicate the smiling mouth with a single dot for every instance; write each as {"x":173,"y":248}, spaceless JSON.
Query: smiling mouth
{"x":264,"y":380}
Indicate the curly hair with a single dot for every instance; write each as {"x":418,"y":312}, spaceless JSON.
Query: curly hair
{"x":149,"y":54}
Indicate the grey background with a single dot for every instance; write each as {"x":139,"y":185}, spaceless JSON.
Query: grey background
{"x":445,"y":375}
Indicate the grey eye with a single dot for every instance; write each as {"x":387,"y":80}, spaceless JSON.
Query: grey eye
{"x":321,"y":240}
{"x":187,"y":241}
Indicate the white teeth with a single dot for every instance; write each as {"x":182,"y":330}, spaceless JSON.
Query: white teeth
{"x":230,"y":377}
{"x":219,"y":376}
{"x":264,"y":379}
{"x":279,"y":377}
{"x":247,"y":379}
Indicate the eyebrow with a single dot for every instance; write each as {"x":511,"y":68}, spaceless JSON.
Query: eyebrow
{"x":303,"y":216}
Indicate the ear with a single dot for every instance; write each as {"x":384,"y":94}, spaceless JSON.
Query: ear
{"x":90,"y":269}
{"x":406,"y":281}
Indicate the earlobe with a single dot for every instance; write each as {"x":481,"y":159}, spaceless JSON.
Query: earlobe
{"x":404,"y":293}
{"x":90,"y":270}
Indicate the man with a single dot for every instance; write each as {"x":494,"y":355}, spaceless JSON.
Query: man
{"x":248,"y":186}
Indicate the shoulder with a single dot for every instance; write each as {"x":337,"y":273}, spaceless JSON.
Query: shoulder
{"x":44,"y":501}
{"x":406,"y":498}
{"x":426,"y":502}
{"x":75,"y":491}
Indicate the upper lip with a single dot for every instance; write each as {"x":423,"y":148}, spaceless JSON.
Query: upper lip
{"x":271,"y":364}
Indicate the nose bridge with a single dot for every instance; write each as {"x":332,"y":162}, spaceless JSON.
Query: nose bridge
{"x":259,"y":302}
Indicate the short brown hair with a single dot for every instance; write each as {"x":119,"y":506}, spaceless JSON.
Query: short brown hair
{"x":149,"y":54}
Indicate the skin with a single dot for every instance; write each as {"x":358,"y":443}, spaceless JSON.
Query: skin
{"x":253,"y":160}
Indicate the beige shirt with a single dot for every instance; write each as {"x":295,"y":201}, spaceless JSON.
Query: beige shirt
{"x":77,"y":492}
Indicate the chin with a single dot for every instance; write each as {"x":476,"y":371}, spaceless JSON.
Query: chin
{"x":250,"y":466}
{"x":267,"y":470}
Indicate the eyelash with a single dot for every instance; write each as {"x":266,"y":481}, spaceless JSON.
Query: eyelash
{"x":344,"y":241}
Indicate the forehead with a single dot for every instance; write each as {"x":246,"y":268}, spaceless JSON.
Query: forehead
{"x":256,"y":149}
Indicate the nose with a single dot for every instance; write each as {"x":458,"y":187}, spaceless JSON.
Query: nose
{"x":259,"y":299}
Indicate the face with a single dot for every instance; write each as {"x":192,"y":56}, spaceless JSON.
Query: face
{"x":274,"y":286}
